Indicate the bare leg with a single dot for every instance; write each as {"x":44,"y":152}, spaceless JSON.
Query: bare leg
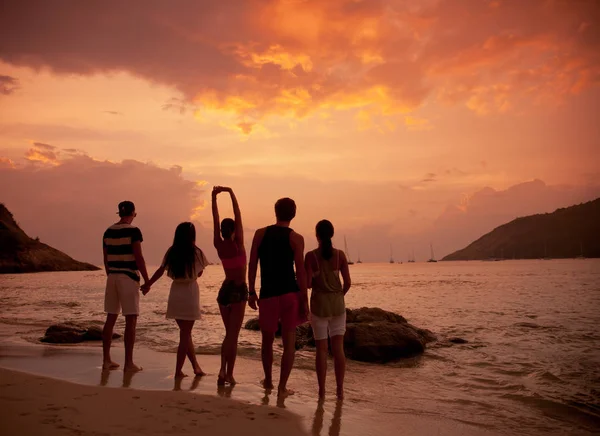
{"x":107,"y":333}
{"x":185,"y":331}
{"x":321,"y":365}
{"x":191,"y":354}
{"x":236,"y":318}
{"x":225,"y":315}
{"x":130,"y":325}
{"x":287,"y":360}
{"x":339,"y":361}
{"x":266,"y":351}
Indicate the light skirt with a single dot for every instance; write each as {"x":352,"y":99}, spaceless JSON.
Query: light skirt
{"x":184,"y":301}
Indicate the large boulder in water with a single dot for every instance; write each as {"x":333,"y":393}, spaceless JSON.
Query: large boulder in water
{"x":372,"y":314}
{"x":372,"y":335}
{"x":382,"y":341}
{"x":72,"y":333}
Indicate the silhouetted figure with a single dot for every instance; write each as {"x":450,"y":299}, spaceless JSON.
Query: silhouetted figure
{"x":283,"y":295}
{"x":229,"y":242}
{"x":184,"y":263}
{"x":328,"y":310}
{"x":123,"y":262}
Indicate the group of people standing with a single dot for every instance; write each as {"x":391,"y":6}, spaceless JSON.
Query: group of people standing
{"x":283,"y":304}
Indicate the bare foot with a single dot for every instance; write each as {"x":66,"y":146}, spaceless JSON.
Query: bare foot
{"x":110,"y":365}
{"x":229,"y":379}
{"x":284,"y":392}
{"x":267,"y":384}
{"x":132,"y":368}
{"x":198,"y":371}
{"x":180,"y":375}
{"x":220,"y":381}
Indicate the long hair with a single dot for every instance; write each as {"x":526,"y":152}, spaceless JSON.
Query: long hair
{"x":181,"y":257}
{"x":325,"y":233}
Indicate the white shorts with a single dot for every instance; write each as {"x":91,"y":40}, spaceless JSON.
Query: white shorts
{"x":332,"y":326}
{"x":122,"y":292}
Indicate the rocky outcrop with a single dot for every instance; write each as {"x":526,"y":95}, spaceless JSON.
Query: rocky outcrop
{"x":372,"y":335}
{"x":73,"y":333}
{"x":21,"y":254}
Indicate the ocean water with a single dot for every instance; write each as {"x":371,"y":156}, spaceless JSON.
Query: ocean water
{"x":531,"y":365}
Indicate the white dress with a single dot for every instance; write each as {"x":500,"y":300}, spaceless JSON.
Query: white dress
{"x":184,"y":296}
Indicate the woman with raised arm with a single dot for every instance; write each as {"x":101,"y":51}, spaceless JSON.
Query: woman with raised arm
{"x":229,"y":242}
{"x":327,"y":306}
{"x":184,"y":263}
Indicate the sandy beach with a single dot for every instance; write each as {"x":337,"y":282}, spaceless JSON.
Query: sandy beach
{"x":49,"y":389}
{"x":43,"y":406}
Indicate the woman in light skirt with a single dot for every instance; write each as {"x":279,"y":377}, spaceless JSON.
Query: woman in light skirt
{"x":184,"y":263}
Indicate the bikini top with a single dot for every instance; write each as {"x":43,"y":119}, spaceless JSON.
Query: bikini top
{"x":238,"y":261}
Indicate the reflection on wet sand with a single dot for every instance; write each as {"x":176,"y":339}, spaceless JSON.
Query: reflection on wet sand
{"x":178,"y":380}
{"x":127,"y":377}
{"x":336,"y":420}
{"x":225,"y":391}
{"x":104,"y":375}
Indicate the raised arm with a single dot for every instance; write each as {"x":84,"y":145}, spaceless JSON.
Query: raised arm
{"x":216,"y":222}
{"x":253,"y":267}
{"x":345,"y":272}
{"x":297,"y":243}
{"x":239,"y":228}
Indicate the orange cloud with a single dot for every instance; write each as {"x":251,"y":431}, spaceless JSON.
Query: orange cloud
{"x":6,"y":163}
{"x":259,"y":60}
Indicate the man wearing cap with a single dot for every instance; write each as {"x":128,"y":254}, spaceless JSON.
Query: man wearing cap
{"x":123,"y":262}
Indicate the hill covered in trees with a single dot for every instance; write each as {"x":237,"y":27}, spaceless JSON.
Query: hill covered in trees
{"x":565,"y":233}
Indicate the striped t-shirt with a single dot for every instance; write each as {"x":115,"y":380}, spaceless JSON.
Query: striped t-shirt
{"x":118,"y":240}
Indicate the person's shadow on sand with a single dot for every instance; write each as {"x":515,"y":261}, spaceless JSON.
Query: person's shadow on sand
{"x":336,"y":420}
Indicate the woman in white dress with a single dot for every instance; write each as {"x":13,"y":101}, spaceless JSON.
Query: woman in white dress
{"x":184,"y":263}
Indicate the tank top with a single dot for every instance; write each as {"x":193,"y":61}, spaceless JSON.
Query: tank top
{"x":277,"y":275}
{"x":327,"y":297}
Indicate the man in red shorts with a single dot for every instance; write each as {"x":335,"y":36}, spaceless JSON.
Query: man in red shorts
{"x":283,"y":293}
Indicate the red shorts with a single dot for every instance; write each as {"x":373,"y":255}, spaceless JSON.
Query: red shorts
{"x":284,"y":308}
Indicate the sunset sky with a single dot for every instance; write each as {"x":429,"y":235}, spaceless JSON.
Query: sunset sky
{"x":403,"y":122}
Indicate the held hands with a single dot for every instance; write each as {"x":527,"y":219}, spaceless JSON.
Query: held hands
{"x":145,"y":288}
{"x":218,"y":189}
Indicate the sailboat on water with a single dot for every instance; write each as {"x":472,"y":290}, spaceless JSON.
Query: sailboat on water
{"x":432,"y":259}
{"x":358,"y":260}
{"x":411,"y":259}
{"x":346,"y":252}
{"x":391,"y":254}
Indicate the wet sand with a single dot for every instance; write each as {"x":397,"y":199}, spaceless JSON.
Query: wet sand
{"x":63,"y":387}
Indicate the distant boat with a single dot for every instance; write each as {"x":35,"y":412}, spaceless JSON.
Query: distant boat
{"x":432,"y":259}
{"x":391,"y":254}
{"x":346,"y":251}
{"x":358,"y":260}
{"x":411,"y":259}
{"x":581,"y":256}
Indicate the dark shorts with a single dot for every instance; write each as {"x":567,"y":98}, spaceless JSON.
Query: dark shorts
{"x":232,"y":292}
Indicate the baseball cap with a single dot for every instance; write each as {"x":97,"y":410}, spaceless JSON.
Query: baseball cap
{"x":126,"y":208}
